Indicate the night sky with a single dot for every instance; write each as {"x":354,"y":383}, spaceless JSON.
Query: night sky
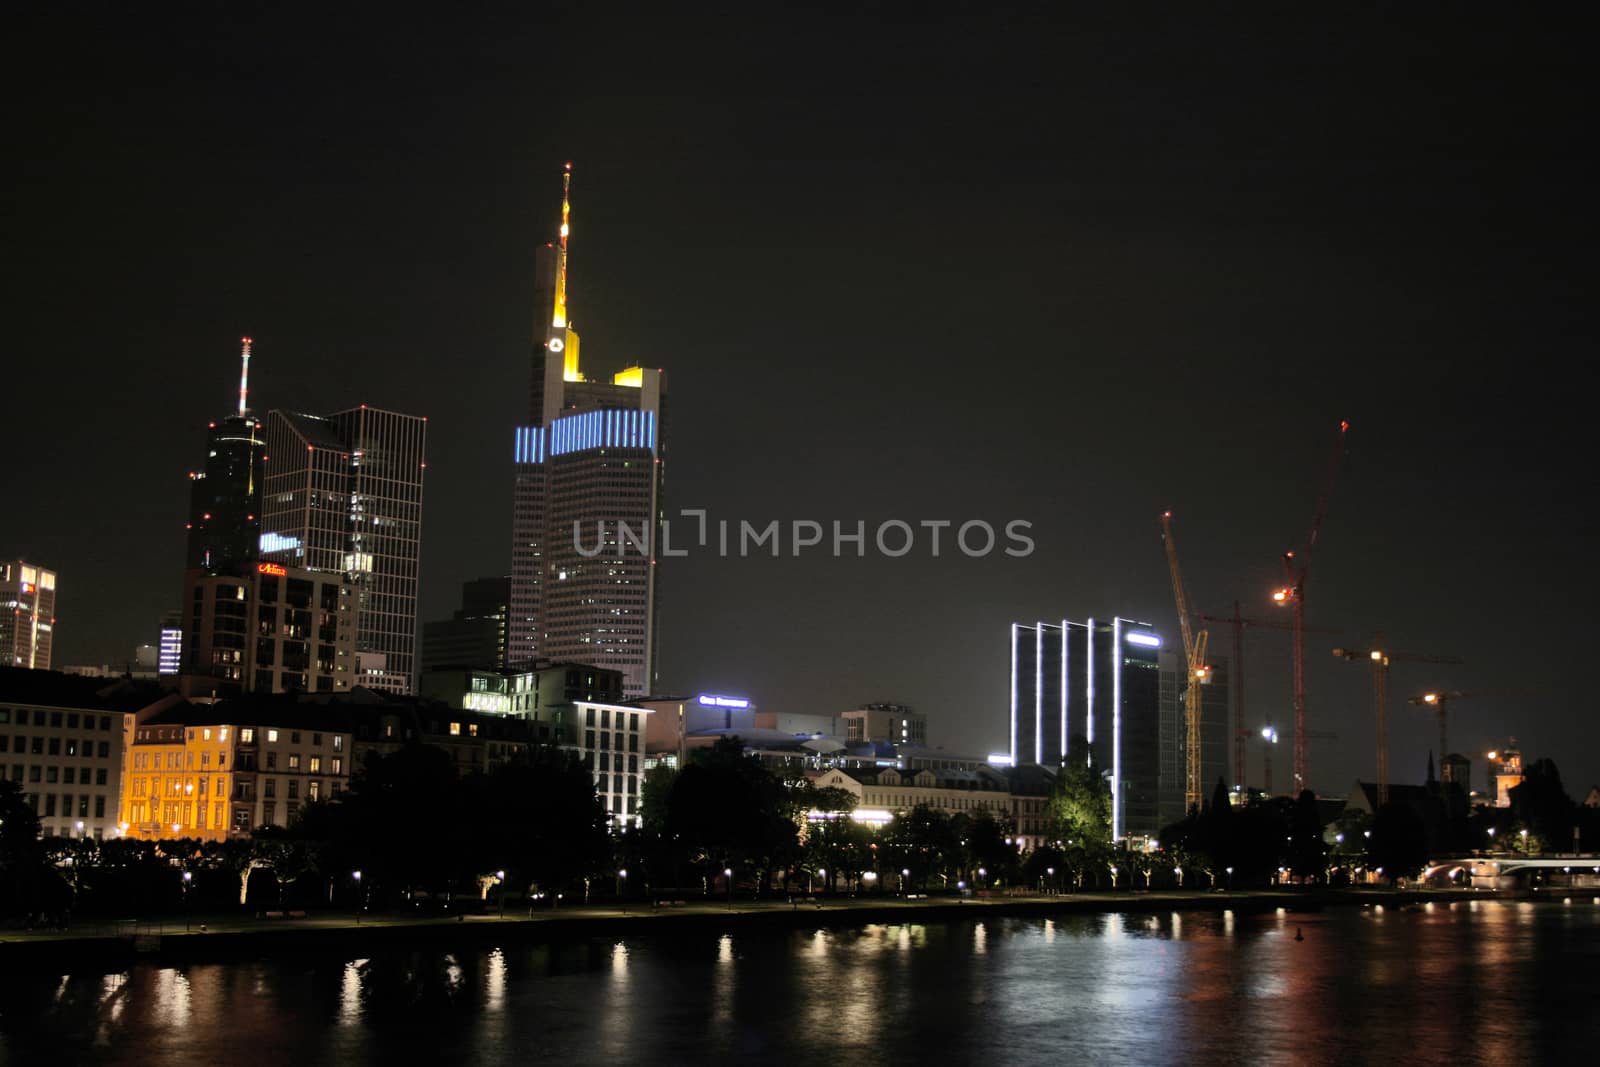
{"x":933,"y":268}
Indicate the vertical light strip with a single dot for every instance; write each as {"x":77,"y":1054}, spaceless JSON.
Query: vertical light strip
{"x":1088,"y":687}
{"x":1015,"y":755}
{"x":1063,"y":691}
{"x":1116,"y":728}
{"x":1038,"y":693}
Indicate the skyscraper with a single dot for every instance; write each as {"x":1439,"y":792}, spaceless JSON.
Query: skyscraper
{"x":475,"y":636}
{"x":27,"y":614}
{"x":586,"y":501}
{"x":343,"y":494}
{"x":1096,"y":684}
{"x":225,"y":493}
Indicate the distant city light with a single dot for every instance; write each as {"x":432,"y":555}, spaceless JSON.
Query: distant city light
{"x":1145,"y":640}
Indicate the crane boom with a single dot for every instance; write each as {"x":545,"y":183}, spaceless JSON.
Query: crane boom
{"x":1194,"y":651}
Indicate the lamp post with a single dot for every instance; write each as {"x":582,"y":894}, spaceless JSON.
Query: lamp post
{"x":727,"y":874}
{"x":187,"y":878}
{"x":1230,"y":879}
{"x":622,"y":882}
{"x":1051,"y":872}
{"x":360,"y":899}
{"x":822,"y":872}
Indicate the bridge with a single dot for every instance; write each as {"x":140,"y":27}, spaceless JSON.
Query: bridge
{"x":1511,"y":870}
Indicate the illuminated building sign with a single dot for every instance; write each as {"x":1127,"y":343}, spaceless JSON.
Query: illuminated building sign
{"x":276,"y":569}
{"x":276,"y":542}
{"x":709,"y":701}
{"x":610,"y":428}
{"x":1145,"y":640}
{"x":170,"y":655}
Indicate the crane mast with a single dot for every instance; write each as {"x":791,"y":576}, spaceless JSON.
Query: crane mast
{"x":1194,"y":652}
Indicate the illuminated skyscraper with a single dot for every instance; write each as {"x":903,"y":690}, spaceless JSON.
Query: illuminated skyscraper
{"x":343,"y":495}
{"x":27,"y":614}
{"x":1097,"y":684}
{"x":587,"y":499}
{"x":225,"y":493}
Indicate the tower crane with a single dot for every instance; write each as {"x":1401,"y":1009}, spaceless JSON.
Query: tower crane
{"x":1381,"y":657}
{"x":1241,"y":735}
{"x":1293,"y":594}
{"x":1440,"y":701}
{"x":1194,"y":652}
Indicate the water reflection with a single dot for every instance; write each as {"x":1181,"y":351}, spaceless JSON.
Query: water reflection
{"x":1485,"y":982}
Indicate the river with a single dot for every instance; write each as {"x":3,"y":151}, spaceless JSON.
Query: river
{"x":1472,"y":982}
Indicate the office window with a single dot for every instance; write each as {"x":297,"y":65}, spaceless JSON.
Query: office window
{"x":100,"y":807}
{"x":338,"y":765}
{"x":72,"y":720}
{"x":103,"y":749}
{"x":100,"y":776}
{"x":294,"y":737}
{"x":68,"y":775}
{"x":272,"y":736}
{"x":294,"y":761}
{"x":316,"y":739}
{"x":247,"y":735}
{"x":338,"y":742}
{"x":316,"y":765}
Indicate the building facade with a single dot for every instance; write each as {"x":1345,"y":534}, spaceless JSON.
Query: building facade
{"x":896,"y":724}
{"x":521,"y":693}
{"x":1095,"y":684}
{"x":343,"y":495}
{"x":476,"y":635}
{"x":1214,"y":733}
{"x":62,"y":739}
{"x":586,"y":499}
{"x":27,"y":614}
{"x":220,"y":770}
{"x":270,"y":629}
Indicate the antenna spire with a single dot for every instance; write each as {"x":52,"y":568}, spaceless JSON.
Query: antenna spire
{"x":244,"y":374}
{"x":559,"y":318}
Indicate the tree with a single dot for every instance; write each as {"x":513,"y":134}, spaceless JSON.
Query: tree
{"x":1399,"y":843}
{"x":1308,"y":852}
{"x":1079,"y":810}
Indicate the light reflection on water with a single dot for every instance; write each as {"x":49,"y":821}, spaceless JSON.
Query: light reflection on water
{"x":1485,"y":982}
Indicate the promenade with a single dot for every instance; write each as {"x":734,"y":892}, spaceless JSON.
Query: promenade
{"x":232,"y":935}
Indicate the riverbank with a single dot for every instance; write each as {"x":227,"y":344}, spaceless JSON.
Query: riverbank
{"x":221,"y":937}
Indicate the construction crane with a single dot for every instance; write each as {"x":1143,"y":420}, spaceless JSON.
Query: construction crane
{"x":1194,"y":652}
{"x":1380,"y":659}
{"x":1293,"y":594}
{"x":1440,"y":702}
{"x":1241,"y":735}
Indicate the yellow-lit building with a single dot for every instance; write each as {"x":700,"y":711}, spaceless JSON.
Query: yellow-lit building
{"x":222,"y":770}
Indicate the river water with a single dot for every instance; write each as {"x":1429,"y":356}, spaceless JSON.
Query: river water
{"x":1482,"y":982}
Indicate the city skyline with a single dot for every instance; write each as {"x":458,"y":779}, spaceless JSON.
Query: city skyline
{"x":1171,"y":308}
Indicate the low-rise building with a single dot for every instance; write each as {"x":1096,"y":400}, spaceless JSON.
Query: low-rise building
{"x":62,"y":739}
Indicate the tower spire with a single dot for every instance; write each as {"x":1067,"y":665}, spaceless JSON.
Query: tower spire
{"x":559,"y":316}
{"x":244,"y":374}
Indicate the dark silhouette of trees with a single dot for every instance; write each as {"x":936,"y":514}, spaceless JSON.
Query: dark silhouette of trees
{"x":1399,"y":843}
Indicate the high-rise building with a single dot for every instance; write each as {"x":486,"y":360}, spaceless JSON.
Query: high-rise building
{"x":1214,"y":732}
{"x":225,"y":493}
{"x":27,"y":614}
{"x":476,"y":635}
{"x":586,"y":499}
{"x":343,"y":495}
{"x":270,"y":629}
{"x":1095,"y":684}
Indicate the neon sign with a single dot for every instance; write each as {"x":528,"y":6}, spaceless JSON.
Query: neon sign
{"x":709,"y":701}
{"x":275,"y":569}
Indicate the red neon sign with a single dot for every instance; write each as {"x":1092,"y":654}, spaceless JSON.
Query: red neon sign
{"x":272,"y":568}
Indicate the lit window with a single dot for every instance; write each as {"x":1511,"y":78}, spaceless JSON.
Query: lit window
{"x":272,"y":735}
{"x":247,"y":735}
{"x":205,"y":735}
{"x":455,"y":729}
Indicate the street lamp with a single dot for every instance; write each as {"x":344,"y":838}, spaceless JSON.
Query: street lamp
{"x":822,"y":872}
{"x":727,"y":874}
{"x":1051,"y":872}
{"x":187,"y":878}
{"x":361,"y":903}
{"x":622,"y":883}
{"x":905,"y":872}
{"x":1230,"y":879}
{"x":1179,"y":872}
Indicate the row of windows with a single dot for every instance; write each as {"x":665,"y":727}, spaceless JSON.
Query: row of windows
{"x":49,"y":775}
{"x":56,"y":746}
{"x":70,"y":806}
{"x":38,"y":717}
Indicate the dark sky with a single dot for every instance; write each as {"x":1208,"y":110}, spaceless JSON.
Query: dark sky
{"x":990,"y":267}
